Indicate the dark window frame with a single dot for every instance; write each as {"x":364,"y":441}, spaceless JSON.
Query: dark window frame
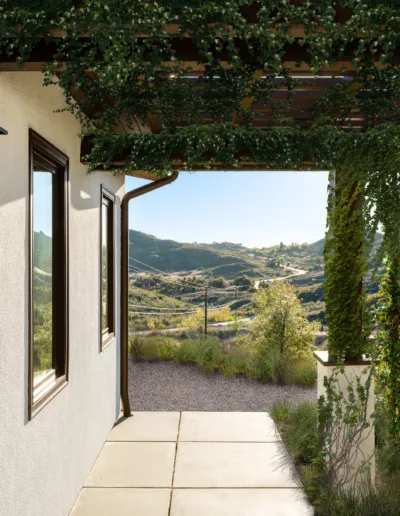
{"x":107,"y":335}
{"x":42,"y":151}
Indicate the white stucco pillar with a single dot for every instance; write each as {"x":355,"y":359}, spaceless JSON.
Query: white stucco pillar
{"x":359,"y":466}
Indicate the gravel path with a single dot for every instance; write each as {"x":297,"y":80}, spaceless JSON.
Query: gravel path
{"x":168,"y":386}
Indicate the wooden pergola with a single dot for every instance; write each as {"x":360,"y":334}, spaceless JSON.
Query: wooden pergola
{"x":308,"y":90}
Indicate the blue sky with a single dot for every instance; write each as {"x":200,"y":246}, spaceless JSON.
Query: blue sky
{"x":42,"y":206}
{"x":255,"y":209}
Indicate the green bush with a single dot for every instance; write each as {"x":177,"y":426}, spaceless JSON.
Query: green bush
{"x":233,"y":365}
{"x":381,"y":500}
{"x":298,"y":426}
{"x":166,"y":350}
{"x":388,"y":450}
{"x":135,"y":347}
{"x":209,"y":354}
{"x":271,"y":365}
{"x":301,"y":371}
{"x":229,"y":357}
{"x":281,"y":411}
{"x":237,"y":359}
{"x":300,"y":433}
{"x":145,"y":347}
{"x":282,"y":337}
{"x":186,"y":352}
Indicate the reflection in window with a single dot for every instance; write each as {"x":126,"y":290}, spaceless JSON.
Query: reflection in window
{"x":43,"y":185}
{"x":107,"y":267}
{"x":48,"y":274}
{"x":104,"y":268}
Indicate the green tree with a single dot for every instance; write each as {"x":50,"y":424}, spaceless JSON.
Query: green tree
{"x":218,"y":282}
{"x":42,"y":348}
{"x":243,"y":281}
{"x":281,"y":331}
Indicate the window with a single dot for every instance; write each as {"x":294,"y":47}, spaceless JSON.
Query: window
{"x":48,"y":284}
{"x":107,"y":303}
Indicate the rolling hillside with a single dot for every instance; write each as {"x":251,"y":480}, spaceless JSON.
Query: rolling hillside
{"x":185,"y":263}
{"x":171,"y":256}
{"x":223,"y":259}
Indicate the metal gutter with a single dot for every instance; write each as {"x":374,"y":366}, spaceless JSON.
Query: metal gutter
{"x":124,"y":355}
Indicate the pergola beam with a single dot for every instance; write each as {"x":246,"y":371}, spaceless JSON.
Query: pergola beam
{"x":189,"y":57}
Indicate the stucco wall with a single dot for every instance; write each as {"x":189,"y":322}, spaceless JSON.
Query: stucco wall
{"x":44,"y":462}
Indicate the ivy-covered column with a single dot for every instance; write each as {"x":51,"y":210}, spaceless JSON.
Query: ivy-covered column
{"x":345,"y":382}
{"x":345,"y":266}
{"x":388,"y":319}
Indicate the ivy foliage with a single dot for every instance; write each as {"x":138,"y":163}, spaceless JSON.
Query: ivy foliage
{"x":366,"y":195}
{"x":123,"y":64}
{"x":129,"y":59}
{"x":388,"y":319}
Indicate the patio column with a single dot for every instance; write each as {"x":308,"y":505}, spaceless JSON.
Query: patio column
{"x":350,"y":438}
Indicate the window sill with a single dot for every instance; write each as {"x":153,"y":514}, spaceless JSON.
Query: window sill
{"x":44,"y":383}
{"x":57,"y":387}
{"x":106,"y":340}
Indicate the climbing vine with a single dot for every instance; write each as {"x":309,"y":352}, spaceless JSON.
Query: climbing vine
{"x":129,"y":57}
{"x":388,"y":320}
{"x":346,"y":254}
{"x":124,"y":65}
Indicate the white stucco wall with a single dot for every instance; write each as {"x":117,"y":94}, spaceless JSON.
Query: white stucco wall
{"x":44,"y":462}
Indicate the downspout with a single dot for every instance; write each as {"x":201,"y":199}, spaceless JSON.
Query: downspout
{"x":124,"y":330}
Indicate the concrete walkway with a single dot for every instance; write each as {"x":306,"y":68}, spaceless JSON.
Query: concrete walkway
{"x":217,"y":464}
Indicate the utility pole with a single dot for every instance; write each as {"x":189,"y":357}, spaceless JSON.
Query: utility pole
{"x":235,"y":305}
{"x":205,"y":309}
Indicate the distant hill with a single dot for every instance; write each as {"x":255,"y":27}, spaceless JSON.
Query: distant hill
{"x":170,"y":256}
{"x":42,"y":251}
{"x":221,"y":259}
{"x":224,"y":259}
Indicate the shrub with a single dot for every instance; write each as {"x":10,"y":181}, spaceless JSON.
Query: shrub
{"x":218,"y":282}
{"x":301,"y":371}
{"x":281,"y":411}
{"x":298,"y":426}
{"x":300,"y":433}
{"x":221,"y":315}
{"x":237,"y":358}
{"x":388,"y":449}
{"x":186,"y":352}
{"x":382,"y":500}
{"x":281,"y":322}
{"x":243,"y":281}
{"x":145,"y":347}
{"x":209,"y":354}
{"x":193,"y":322}
{"x":269,"y":364}
{"x":282,"y":337}
{"x":233,"y":365}
{"x":166,"y":350}
{"x":135,"y":347}
{"x":229,"y":357}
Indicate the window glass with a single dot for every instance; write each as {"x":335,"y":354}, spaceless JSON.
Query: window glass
{"x":43,"y":186}
{"x":105,"y":265}
{"x":107,"y":300}
{"x":48,"y":273}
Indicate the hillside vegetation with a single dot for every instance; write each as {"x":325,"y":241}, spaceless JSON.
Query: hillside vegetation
{"x":232,"y":271}
{"x":169,"y":256}
{"x":165,"y":274}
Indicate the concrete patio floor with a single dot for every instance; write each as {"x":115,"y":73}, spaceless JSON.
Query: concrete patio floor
{"x":192,"y":464}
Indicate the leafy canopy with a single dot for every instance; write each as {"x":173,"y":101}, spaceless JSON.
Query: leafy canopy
{"x":281,"y":323}
{"x":127,"y":58}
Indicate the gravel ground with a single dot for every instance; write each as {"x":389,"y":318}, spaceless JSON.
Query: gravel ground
{"x":168,"y":386}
